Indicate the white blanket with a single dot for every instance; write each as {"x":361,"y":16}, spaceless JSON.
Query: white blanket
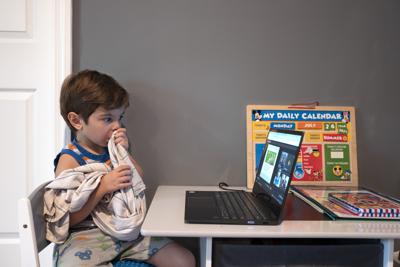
{"x":119,"y":214}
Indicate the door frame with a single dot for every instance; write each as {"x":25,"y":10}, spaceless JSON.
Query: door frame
{"x":63,"y":64}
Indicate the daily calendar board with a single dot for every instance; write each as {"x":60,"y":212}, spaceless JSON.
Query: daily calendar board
{"x":328,"y":155}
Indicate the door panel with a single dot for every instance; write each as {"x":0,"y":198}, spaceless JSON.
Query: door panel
{"x":16,"y":113}
{"x":35,"y":56}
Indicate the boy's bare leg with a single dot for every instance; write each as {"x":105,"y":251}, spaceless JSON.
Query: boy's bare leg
{"x":173,"y":255}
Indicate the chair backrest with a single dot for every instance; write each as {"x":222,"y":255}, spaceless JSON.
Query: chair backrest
{"x":32,"y":227}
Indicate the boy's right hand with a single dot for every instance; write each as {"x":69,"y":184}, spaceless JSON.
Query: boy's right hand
{"x":118,"y":178}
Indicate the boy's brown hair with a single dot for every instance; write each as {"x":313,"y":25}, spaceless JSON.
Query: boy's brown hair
{"x":87,"y":90}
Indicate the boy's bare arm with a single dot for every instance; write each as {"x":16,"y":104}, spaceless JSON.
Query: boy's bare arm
{"x":68,"y":162}
{"x":117,"y":179}
{"x":65,"y":162}
{"x":79,"y":216}
{"x":122,"y":139}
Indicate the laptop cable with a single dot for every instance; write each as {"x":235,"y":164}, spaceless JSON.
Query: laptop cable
{"x":225,"y":186}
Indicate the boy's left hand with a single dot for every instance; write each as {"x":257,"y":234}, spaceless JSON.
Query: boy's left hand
{"x":121,"y":138}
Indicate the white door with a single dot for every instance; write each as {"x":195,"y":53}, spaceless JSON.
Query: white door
{"x":35,"y":56}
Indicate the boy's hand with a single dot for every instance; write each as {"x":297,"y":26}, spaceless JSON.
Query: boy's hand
{"x":118,"y":178}
{"x":121,"y":138}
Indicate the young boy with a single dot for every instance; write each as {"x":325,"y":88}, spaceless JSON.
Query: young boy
{"x":93,"y":104}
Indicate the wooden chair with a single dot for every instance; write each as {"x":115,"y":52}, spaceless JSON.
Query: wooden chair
{"x":32,"y":230}
{"x":32,"y":227}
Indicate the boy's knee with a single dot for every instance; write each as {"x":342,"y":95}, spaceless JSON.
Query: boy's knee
{"x":187,"y":259}
{"x":173,"y":255}
{"x":180,"y":257}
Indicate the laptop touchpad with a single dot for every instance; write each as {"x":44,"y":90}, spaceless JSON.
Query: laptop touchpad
{"x":203,"y":206}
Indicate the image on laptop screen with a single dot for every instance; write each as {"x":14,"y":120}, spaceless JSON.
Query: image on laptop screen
{"x":277,"y":163}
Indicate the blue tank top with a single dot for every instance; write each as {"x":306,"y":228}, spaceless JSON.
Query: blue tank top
{"x":81,"y":155}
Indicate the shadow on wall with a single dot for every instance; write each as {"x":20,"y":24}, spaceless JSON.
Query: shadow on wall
{"x":141,"y":133}
{"x":162,"y":140}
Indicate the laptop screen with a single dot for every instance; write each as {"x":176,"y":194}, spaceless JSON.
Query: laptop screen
{"x":276,"y":164}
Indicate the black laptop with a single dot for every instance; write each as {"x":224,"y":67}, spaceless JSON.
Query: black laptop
{"x":264,"y":205}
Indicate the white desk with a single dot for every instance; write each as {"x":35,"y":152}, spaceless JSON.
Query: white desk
{"x":165,"y":217}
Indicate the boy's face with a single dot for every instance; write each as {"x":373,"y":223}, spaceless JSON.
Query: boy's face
{"x":100,"y":126}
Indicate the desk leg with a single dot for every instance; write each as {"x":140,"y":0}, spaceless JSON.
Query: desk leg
{"x":388,"y":247}
{"x":205,"y":251}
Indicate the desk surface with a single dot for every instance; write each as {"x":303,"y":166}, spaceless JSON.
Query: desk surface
{"x":165,"y":217}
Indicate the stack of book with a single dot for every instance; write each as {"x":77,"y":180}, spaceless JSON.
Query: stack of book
{"x":349,"y":202}
{"x":366,"y":204}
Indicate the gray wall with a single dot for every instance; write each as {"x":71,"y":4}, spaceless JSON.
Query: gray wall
{"x":191,"y":66}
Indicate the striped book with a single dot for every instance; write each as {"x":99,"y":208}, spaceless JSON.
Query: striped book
{"x":366,"y":204}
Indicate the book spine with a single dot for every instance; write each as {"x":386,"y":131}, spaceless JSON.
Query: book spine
{"x":379,"y":215}
{"x":381,"y":210}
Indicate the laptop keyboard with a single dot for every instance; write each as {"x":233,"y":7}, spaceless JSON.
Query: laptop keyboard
{"x":237,"y":205}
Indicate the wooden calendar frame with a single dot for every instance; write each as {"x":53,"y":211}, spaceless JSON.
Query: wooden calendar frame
{"x":330,"y":133}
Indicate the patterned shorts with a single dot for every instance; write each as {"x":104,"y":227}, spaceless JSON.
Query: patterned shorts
{"x":94,"y":248}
